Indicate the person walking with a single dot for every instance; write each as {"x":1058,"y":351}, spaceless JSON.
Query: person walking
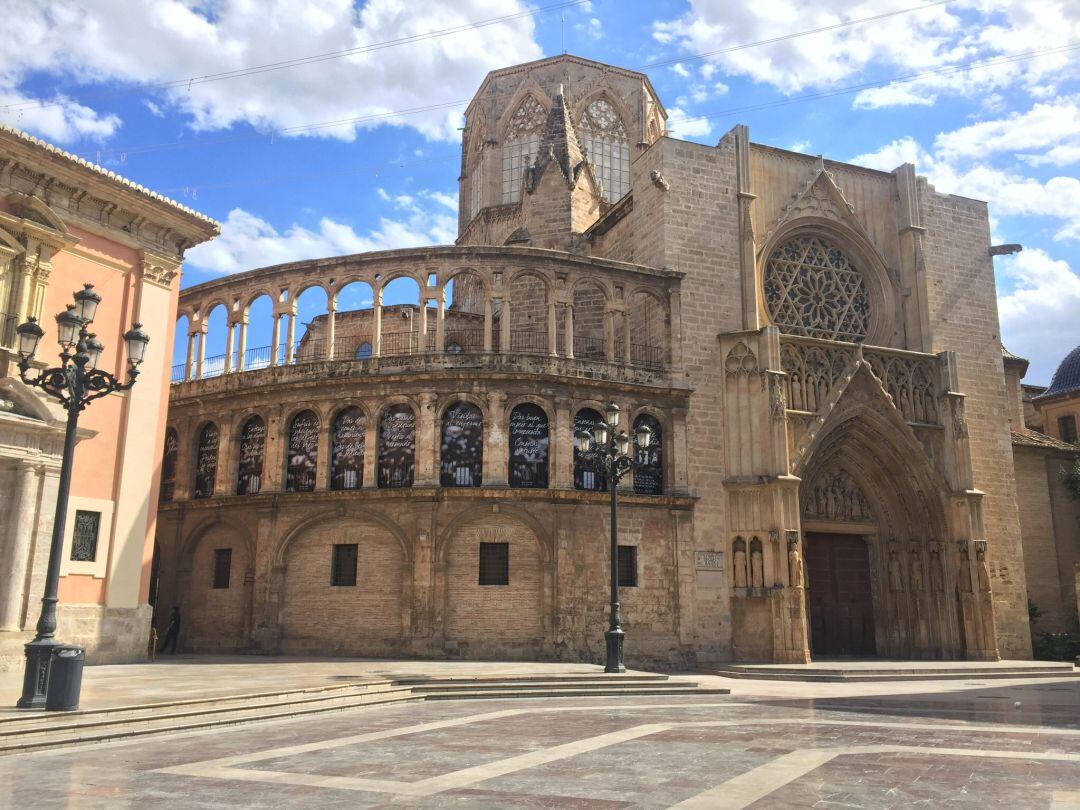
{"x":172,"y":632}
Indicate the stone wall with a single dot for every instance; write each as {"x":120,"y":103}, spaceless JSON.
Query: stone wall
{"x":960,"y":291}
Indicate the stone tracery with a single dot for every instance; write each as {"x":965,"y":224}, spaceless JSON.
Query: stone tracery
{"x":812,"y":289}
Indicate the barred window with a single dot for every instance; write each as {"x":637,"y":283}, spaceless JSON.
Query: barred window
{"x":494,"y":563}
{"x":85,"y":540}
{"x":222,"y":567}
{"x":343,"y":565}
{"x":520,"y":145}
{"x":627,"y":564}
{"x":812,"y":289}
{"x":607,"y":147}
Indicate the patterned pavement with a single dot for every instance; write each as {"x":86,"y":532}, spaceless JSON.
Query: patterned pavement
{"x":1014,"y":744}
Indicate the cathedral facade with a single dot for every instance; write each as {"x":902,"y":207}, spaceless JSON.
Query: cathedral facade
{"x":814,"y":345}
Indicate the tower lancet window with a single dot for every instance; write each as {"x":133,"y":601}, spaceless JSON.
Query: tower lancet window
{"x":520,"y":145}
{"x":607,"y":147}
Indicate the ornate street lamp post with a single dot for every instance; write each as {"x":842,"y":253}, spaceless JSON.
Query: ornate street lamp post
{"x":76,"y":382}
{"x":609,"y":455}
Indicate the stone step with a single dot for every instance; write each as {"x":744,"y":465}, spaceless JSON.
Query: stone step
{"x":883,"y":675}
{"x":605,"y":691}
{"x":545,"y":685}
{"x":39,"y":730}
{"x":622,"y":677}
{"x":119,"y":729}
{"x":36,"y":719}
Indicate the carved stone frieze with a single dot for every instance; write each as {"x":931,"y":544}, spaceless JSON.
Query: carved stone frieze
{"x":835,"y":496}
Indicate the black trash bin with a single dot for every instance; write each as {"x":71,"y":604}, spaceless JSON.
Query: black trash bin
{"x":65,"y":678}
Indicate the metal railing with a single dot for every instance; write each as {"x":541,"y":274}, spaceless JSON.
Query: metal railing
{"x":589,"y":348}
{"x":398,"y":343}
{"x":648,"y":356}
{"x":177,"y":374}
{"x":528,"y":342}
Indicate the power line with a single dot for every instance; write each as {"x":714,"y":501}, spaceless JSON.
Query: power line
{"x":911,"y":77}
{"x":190,"y":81}
{"x":447,"y":105}
{"x":785,"y":37}
{"x":721,"y":114}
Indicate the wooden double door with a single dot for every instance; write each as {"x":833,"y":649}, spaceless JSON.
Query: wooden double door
{"x":839,"y":597}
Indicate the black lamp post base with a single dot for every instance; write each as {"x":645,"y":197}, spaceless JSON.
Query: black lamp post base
{"x":36,"y":674}
{"x":614,"y":639}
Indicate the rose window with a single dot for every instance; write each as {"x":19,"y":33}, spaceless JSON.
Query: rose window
{"x":812,"y":289}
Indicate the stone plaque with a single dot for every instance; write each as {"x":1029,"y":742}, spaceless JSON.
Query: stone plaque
{"x":709,"y":560}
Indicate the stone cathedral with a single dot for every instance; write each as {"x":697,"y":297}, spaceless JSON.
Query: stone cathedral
{"x":814,"y":345}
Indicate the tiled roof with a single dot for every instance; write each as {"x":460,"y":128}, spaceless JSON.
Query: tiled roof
{"x":86,"y":164}
{"x":1032,"y":438}
{"x":1067,"y":377}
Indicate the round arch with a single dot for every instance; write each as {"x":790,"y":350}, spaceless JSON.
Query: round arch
{"x":467,"y":515}
{"x":280,"y":553}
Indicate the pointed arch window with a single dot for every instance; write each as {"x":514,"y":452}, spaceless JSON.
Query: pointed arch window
{"x":476,"y":175}
{"x":303,"y":452}
{"x":347,"y":449}
{"x":206,"y":460}
{"x":252,"y":453}
{"x":607,"y":146}
{"x":520,"y":144}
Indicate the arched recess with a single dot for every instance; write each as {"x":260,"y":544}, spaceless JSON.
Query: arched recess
{"x":302,"y":452}
{"x":207,"y":452}
{"x":401,"y":314}
{"x":309,"y":329}
{"x":881,"y":290}
{"x":169,"y":458}
{"x":590,"y":321}
{"x":216,"y":337}
{"x":528,"y":296}
{"x":649,"y":326}
{"x":348,"y":432}
{"x":585,"y":477}
{"x":180,"y":370}
{"x":369,"y":617}
{"x":495,"y":619}
{"x":214,"y":592}
{"x":251,"y":457}
{"x":461,"y":449}
{"x":865,"y":476}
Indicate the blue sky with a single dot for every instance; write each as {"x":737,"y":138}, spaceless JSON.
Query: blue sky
{"x":119,"y":84}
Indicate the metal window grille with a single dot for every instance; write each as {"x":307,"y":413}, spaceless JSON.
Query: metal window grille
{"x":343,"y":564}
{"x":494,"y":563}
{"x":84,"y":542}
{"x":627,"y":563}
{"x":222,"y":567}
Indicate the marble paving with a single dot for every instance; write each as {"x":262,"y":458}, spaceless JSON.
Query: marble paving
{"x":1015,"y":746}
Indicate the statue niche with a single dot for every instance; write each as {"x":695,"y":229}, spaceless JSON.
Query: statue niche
{"x":835,"y":496}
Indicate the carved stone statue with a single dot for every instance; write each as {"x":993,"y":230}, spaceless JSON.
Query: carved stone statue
{"x":740,"y":566}
{"x":795,"y":570}
{"x":963,"y":575}
{"x":896,"y":575}
{"x":981,"y":569}
{"x":916,"y":570}
{"x":757,"y":569}
{"x":937,"y":574}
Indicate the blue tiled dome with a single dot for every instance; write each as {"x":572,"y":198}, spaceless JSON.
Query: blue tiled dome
{"x":1067,"y":376}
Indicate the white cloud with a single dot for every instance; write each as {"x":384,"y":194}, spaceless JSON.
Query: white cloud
{"x":592,"y":29}
{"x":1038,"y":314}
{"x":896,"y":153}
{"x":59,"y":118}
{"x":679,"y":70}
{"x":683,"y":125}
{"x":247,"y":241}
{"x":87,"y":41}
{"x":800,"y":146}
{"x":931,"y":39}
{"x":1042,"y":126}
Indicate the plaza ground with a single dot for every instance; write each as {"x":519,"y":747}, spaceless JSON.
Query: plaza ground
{"x":964,"y":742}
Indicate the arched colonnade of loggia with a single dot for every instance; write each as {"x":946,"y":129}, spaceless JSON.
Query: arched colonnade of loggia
{"x":602,"y":311}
